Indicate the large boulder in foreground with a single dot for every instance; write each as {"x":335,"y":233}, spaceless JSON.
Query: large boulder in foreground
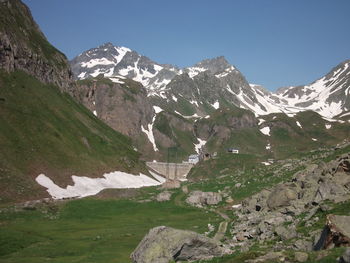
{"x":336,"y":233}
{"x":163,"y":244}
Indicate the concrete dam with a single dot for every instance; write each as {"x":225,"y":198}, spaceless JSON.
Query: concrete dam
{"x":171,"y":171}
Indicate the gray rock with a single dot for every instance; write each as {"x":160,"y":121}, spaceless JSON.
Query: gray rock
{"x":163,"y":244}
{"x":345,"y":258}
{"x":282,"y":196}
{"x":164,"y":196}
{"x":303,"y":245}
{"x":328,"y":190}
{"x":301,"y":256}
{"x":199,"y":198}
{"x":286,"y":233}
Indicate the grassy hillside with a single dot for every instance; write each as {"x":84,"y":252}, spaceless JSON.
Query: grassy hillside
{"x":45,"y":131}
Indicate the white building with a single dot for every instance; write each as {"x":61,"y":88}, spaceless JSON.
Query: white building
{"x":232,"y":150}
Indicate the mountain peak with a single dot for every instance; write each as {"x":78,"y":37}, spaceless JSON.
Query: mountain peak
{"x":107,"y":45}
{"x":214,"y":65}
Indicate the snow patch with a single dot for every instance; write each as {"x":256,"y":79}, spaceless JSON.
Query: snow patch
{"x":194,"y":71}
{"x":116,"y":80}
{"x":95,"y":113}
{"x":328,"y":126}
{"x":97,"y":61}
{"x":149,"y":133}
{"x":82,"y":75}
{"x":315,"y":140}
{"x":85,"y":186}
{"x":157,"y":109}
{"x":298,"y":123}
{"x":265,"y":130}
{"x":261,"y":121}
{"x":199,"y":145}
{"x":216,"y":105}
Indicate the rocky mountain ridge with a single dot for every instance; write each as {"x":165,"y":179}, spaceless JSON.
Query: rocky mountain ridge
{"x":214,"y":83}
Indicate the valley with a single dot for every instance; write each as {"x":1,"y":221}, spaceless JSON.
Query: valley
{"x":113,"y":157}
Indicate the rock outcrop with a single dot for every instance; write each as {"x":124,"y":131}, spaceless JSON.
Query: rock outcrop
{"x":336,"y":233}
{"x":27,"y":49}
{"x":164,"y":244}
{"x":199,"y":198}
{"x":164,"y":196}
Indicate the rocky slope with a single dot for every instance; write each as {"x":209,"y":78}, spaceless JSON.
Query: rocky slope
{"x":43,"y":129}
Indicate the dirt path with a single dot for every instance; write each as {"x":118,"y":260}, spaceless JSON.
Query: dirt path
{"x":222,"y":227}
{"x":221,"y":231}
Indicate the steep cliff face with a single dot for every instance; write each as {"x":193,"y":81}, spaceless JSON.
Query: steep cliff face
{"x":24,"y":47}
{"x":122,"y":104}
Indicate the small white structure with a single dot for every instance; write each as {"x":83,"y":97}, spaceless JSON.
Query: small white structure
{"x":194,"y":158}
{"x":232,"y":150}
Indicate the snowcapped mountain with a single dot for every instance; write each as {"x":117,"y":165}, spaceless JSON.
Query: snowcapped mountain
{"x":112,"y":61}
{"x":213,"y":83}
{"x":328,"y":96}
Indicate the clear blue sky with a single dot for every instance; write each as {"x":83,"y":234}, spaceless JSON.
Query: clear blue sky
{"x":272,"y":42}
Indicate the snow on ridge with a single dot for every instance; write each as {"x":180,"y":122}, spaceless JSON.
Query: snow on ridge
{"x":194,"y":71}
{"x":81,"y":75}
{"x":116,"y":80}
{"x":298,"y":123}
{"x":122,"y":51}
{"x":199,"y":145}
{"x":97,"y":61}
{"x":86,"y":186}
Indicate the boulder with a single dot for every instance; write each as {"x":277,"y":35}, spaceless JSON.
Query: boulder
{"x":282,"y":196}
{"x":286,"y":233}
{"x":164,"y":196}
{"x":301,"y":256}
{"x":328,"y":190}
{"x":164,"y":244}
{"x":199,"y":198}
{"x":345,"y":258}
{"x":303,"y":245}
{"x":336,"y":233}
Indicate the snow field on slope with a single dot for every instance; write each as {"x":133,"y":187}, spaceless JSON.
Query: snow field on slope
{"x":85,"y":186}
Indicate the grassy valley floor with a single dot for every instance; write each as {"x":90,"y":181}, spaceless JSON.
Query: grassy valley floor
{"x":91,"y":230}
